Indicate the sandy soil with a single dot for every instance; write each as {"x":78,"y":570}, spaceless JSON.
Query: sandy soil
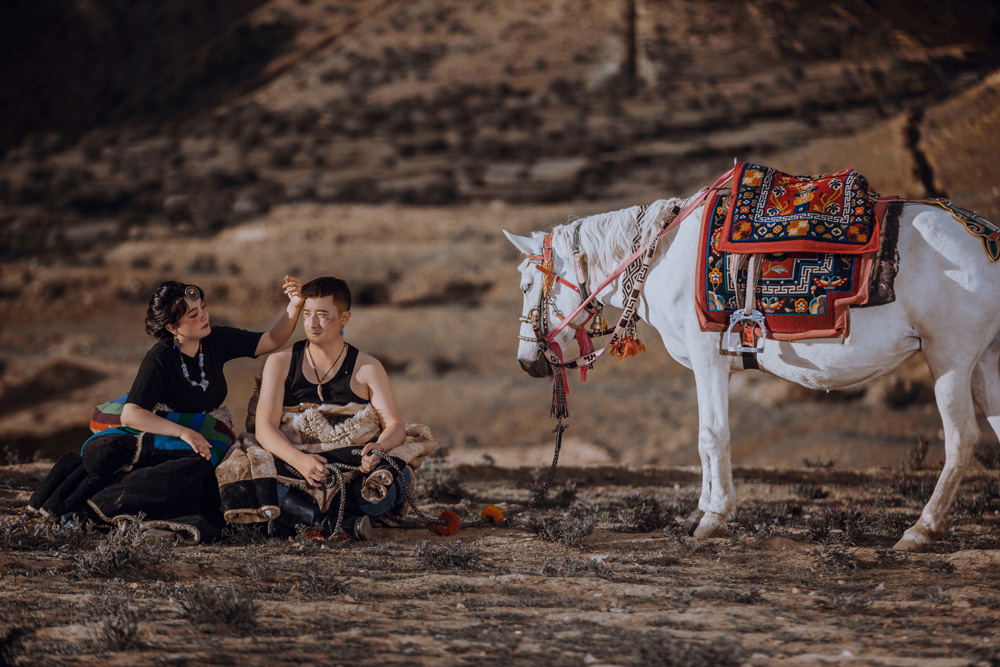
{"x":603,"y":574}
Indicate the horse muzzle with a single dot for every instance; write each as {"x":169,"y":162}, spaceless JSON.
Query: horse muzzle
{"x":538,"y":368}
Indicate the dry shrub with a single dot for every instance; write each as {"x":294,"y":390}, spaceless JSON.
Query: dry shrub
{"x":642,"y":514}
{"x":848,"y":604}
{"x":667,"y":650}
{"x":575,"y":567}
{"x":124,"y":553}
{"x":761,"y":521}
{"x":213,"y":607}
{"x":118,"y":632}
{"x":322,"y":585}
{"x":917,"y":490}
{"x":450,"y":556}
{"x":569,"y":530}
{"x":834,"y":560}
{"x":17,"y":534}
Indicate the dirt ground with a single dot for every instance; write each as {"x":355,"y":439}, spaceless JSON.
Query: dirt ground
{"x":601,"y":574}
{"x":388,"y":144}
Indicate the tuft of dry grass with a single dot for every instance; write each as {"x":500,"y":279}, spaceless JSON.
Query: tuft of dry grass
{"x":450,"y":556}
{"x":125,"y":553}
{"x":118,"y":632}
{"x":215,"y":609}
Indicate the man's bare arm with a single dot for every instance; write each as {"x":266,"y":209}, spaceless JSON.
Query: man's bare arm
{"x":372,"y":374}
{"x":272,"y":390}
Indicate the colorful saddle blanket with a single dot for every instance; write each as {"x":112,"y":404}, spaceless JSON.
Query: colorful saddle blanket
{"x":106,"y":421}
{"x":777,"y":212}
{"x":802,"y":294}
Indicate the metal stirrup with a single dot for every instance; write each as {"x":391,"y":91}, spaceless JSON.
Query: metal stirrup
{"x":749,"y":316}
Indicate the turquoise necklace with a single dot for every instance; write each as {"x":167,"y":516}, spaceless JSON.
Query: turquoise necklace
{"x":201,"y":366}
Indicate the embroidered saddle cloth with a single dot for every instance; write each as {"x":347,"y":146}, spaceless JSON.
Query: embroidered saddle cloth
{"x":777,"y":212}
{"x":801,"y":294}
{"x":248,"y":476}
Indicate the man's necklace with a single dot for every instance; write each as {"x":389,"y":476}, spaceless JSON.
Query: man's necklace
{"x":312,"y":364}
{"x":201,"y":366}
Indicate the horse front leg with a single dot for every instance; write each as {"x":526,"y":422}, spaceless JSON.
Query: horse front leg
{"x":953,"y":393}
{"x":718,"y":497}
{"x":704,"y":501}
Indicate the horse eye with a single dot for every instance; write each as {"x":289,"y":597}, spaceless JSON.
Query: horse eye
{"x":525,"y":288}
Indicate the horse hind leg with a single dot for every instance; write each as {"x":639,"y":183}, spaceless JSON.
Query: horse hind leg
{"x":986,"y":385}
{"x":953,"y":394}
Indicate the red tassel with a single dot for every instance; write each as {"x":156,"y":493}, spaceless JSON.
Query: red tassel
{"x":586,"y":347}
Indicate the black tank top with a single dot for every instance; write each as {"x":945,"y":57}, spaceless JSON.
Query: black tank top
{"x":336,"y":390}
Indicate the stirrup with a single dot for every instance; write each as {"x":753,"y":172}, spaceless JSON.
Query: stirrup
{"x":755,"y":317}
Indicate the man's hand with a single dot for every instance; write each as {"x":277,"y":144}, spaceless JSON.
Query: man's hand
{"x":293,"y":289}
{"x":311,"y":467}
{"x":370,"y":461}
{"x":198,"y":443}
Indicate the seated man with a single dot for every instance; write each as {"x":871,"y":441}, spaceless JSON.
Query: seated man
{"x":327,"y":370}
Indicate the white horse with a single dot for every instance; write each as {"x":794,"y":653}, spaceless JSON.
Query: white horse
{"x":946,"y":304}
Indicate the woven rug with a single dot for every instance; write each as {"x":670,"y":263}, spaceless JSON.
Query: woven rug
{"x":777,"y":212}
{"x":802,"y":294}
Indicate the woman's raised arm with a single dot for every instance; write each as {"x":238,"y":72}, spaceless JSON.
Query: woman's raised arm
{"x":283,"y":328}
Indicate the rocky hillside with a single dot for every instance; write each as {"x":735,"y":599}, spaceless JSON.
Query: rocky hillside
{"x":194,"y":116}
{"x":228,"y":143}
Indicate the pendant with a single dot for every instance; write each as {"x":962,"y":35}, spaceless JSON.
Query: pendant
{"x":204,"y":385}
{"x":319,"y":392}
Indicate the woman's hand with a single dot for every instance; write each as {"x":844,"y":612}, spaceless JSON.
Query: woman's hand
{"x":293,"y":290}
{"x":370,"y":461}
{"x":198,"y":443}
{"x":311,"y":467}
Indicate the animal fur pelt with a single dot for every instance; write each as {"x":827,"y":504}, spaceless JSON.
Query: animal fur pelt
{"x":248,"y":476}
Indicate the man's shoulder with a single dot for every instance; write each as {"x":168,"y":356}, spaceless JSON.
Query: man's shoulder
{"x":282,"y":356}
{"x":365,"y":359}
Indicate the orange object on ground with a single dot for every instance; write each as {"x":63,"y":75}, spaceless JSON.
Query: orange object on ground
{"x":451,"y":527}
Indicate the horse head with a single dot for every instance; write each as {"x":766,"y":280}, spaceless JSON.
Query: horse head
{"x":550,"y":288}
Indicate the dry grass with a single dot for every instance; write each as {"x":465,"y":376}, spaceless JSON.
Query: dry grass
{"x":576,"y":591}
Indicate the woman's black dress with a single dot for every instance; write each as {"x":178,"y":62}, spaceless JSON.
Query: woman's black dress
{"x":113,"y":476}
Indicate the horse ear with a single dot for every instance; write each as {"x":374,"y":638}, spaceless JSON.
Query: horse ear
{"x":527,"y":245}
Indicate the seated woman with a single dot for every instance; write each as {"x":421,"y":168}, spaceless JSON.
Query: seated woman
{"x":162,"y":463}
{"x":326,"y":369}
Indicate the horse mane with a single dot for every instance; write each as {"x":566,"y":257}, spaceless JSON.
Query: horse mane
{"x":606,"y":238}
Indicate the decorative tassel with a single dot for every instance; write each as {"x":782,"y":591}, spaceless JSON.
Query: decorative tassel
{"x":560,"y":388}
{"x":550,"y":276}
{"x":629,"y":344}
{"x":451,"y":525}
{"x":586,"y":347}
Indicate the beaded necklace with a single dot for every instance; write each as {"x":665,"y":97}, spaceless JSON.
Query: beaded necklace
{"x":201,"y":366}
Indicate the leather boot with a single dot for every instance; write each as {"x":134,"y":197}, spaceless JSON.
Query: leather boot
{"x":297,"y":508}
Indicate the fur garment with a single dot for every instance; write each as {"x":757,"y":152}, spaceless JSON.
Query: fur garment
{"x":248,"y":476}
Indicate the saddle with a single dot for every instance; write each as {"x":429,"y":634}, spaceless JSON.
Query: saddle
{"x":784,"y":256}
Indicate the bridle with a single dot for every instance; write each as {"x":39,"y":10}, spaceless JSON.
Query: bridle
{"x":538,"y":317}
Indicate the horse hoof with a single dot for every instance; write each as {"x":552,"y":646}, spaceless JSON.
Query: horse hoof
{"x":692,"y":521}
{"x":913,"y":542}
{"x":708,"y":530}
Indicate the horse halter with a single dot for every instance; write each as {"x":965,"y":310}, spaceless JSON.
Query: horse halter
{"x":538,"y":317}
